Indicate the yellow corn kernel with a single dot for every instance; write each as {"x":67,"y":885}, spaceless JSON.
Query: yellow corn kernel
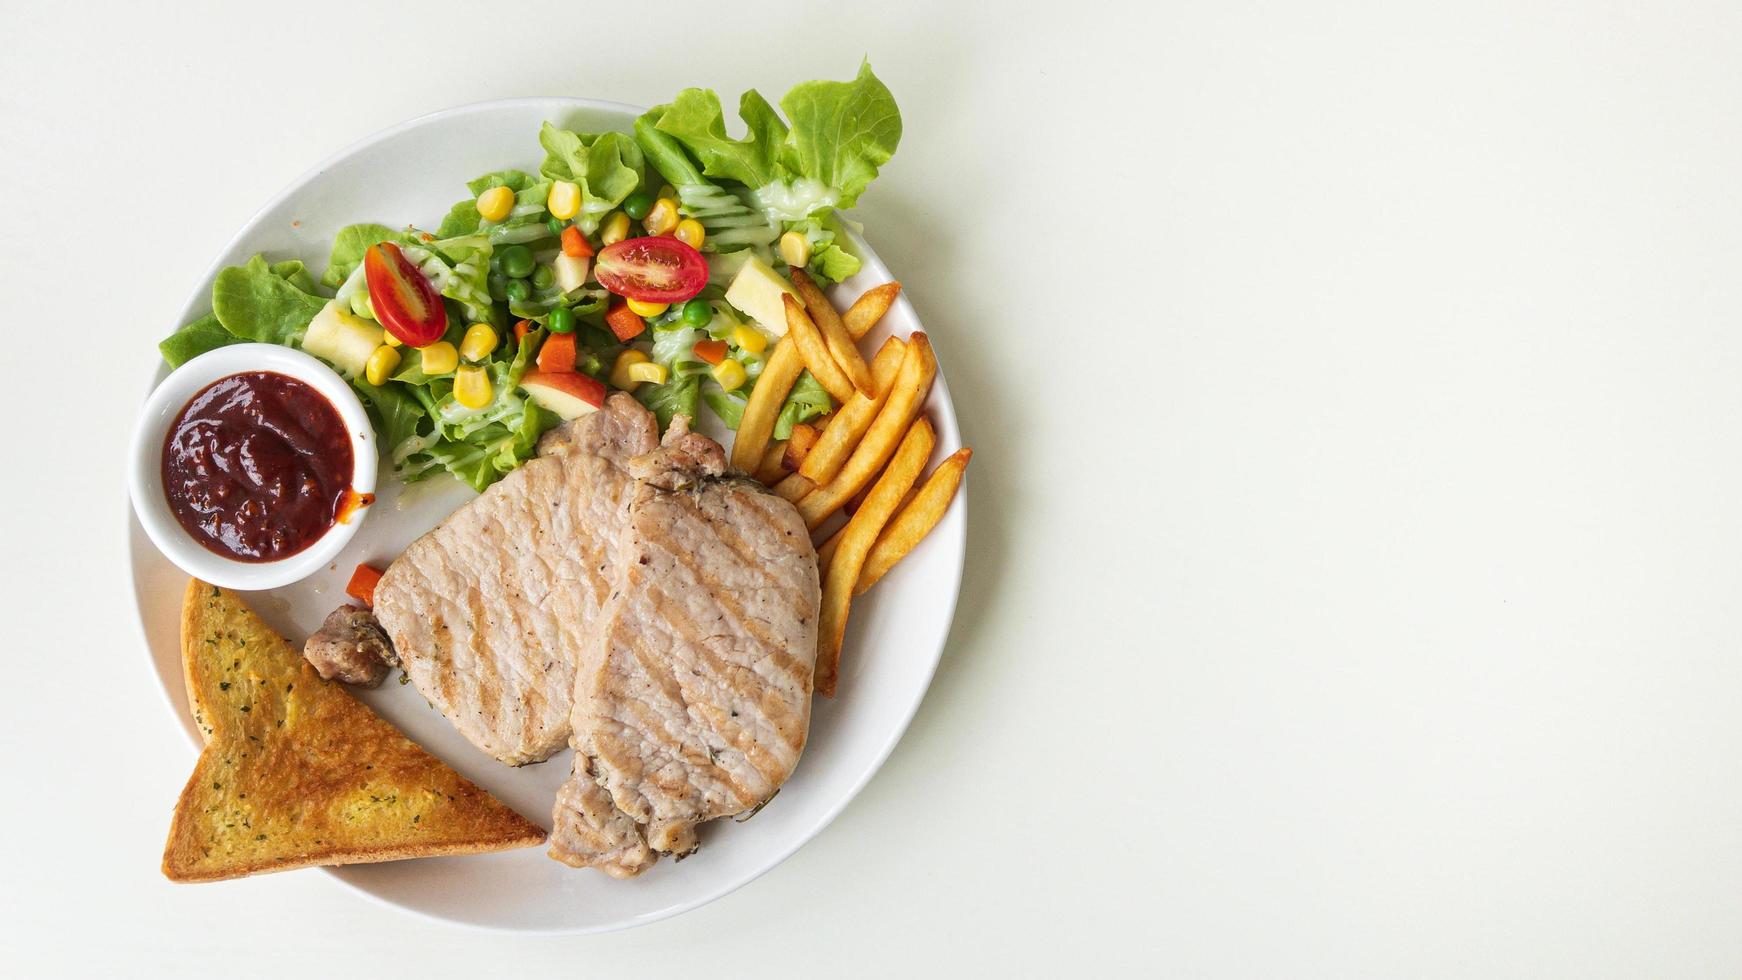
{"x":620,"y":371}
{"x":479,"y":342}
{"x":495,"y":203}
{"x":615,"y":229}
{"x":748,"y":339}
{"x":439,"y":358}
{"x":381,"y":365}
{"x":390,"y":340}
{"x":650,"y":372}
{"x":564,"y":201}
{"x":472,"y":387}
{"x":647,"y":309}
{"x":690,"y":232}
{"x":730,"y":374}
{"x":795,"y":249}
{"x":662,"y":218}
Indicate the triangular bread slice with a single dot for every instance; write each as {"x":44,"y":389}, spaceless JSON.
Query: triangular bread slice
{"x":297,"y":772}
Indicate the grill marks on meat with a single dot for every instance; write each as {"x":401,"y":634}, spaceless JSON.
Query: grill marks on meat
{"x":630,"y":599}
{"x":487,"y":610}
{"x":692,"y":698}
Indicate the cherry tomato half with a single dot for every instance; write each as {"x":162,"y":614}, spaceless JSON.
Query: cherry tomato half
{"x":405,"y":302}
{"x":652,"y":269}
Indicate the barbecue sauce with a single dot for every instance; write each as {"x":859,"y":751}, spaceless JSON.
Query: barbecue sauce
{"x":258,"y":466}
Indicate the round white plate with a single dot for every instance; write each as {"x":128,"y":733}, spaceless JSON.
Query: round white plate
{"x":412,"y":173}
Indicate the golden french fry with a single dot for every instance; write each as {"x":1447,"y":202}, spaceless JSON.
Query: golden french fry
{"x":804,"y":438}
{"x":869,"y":308}
{"x":915,"y":520}
{"x":794,"y":488}
{"x":835,"y":335}
{"x":826,"y":550}
{"x":802,"y":331}
{"x":906,"y":396}
{"x":824,"y":459}
{"x":856,"y":541}
{"x":760,"y":413}
{"x":770,"y":471}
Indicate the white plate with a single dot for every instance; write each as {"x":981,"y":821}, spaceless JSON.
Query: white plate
{"x":413,"y":173}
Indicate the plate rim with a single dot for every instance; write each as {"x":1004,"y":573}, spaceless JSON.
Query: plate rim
{"x":136,"y":535}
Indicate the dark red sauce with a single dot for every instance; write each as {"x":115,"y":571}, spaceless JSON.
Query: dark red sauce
{"x":258,"y":466}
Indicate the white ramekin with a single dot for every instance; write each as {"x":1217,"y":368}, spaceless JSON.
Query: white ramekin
{"x":145,"y":479}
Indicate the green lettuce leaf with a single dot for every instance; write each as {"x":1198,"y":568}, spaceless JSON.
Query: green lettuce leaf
{"x":727,"y":405}
{"x":676,"y":397}
{"x":841,"y":132}
{"x":198,"y":337}
{"x":255,"y":303}
{"x":606,"y":166}
{"x":696,"y":120}
{"x":348,"y":248}
{"x":524,"y":224}
{"x":807,"y":400}
{"x":395,"y":413}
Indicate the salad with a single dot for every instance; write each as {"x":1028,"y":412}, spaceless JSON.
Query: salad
{"x":654,"y":262}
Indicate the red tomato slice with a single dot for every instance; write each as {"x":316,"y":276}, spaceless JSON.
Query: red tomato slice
{"x":652,"y":269}
{"x":405,"y":302}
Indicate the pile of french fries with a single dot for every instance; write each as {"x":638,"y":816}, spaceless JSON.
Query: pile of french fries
{"x":864,"y":460}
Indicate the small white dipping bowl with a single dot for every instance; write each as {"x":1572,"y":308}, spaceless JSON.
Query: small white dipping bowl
{"x":145,"y":481}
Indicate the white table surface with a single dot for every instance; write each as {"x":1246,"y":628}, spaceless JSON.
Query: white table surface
{"x":1356,"y":533}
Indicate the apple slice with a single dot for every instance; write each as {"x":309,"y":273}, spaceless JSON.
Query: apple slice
{"x":570,"y":395}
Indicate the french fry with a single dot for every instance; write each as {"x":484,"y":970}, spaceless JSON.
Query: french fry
{"x":803,"y":331}
{"x":770,"y":471}
{"x":869,"y":308}
{"x":835,"y":335}
{"x":824,"y":459}
{"x":856,"y":541}
{"x":826,"y":550}
{"x":793,"y":488}
{"x":804,"y":438}
{"x":906,"y":396}
{"x":915,"y":520}
{"x":763,"y":409}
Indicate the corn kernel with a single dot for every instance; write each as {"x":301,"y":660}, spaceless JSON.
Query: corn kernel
{"x":749,"y":339}
{"x":564,"y":201}
{"x":795,"y":249}
{"x":390,"y":340}
{"x":730,"y":374}
{"x":615,"y":229}
{"x":479,"y":342}
{"x":439,"y":358}
{"x":663,"y":218}
{"x":644,"y":310}
{"x":620,"y":371}
{"x":495,"y":203}
{"x":472,"y":387}
{"x":649,"y":372}
{"x":378,"y":370}
{"x":690,"y":232}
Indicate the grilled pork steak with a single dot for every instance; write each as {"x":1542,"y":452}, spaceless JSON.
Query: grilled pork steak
{"x":693,"y":689}
{"x":487,"y":610}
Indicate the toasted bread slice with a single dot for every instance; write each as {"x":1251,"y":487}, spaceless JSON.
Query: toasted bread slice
{"x":296,"y":772}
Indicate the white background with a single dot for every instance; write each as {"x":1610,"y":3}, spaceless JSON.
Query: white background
{"x":1356,"y":519}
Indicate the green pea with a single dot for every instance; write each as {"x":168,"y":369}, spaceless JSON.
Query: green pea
{"x":561,"y":320}
{"x":542,"y":277}
{"x":556,"y":225}
{"x":638,"y":204}
{"x":517,"y":290}
{"x":698,"y":313}
{"x":498,"y":286}
{"x":517,"y":261}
